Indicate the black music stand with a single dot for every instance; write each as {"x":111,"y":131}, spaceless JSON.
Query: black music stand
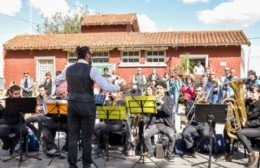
{"x":57,"y":107}
{"x":111,"y":113}
{"x":141,"y":105}
{"x":211,"y":114}
{"x":18,"y":107}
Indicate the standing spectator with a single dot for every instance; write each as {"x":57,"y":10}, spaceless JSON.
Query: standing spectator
{"x":251,"y":80}
{"x":140,"y":80}
{"x":166,"y":79}
{"x":175,"y":83}
{"x":211,"y":67}
{"x":26,"y":85}
{"x":198,"y":69}
{"x":154,"y":77}
{"x":187,"y":89}
{"x":50,"y":89}
{"x":106,"y":74}
{"x":215,"y":88}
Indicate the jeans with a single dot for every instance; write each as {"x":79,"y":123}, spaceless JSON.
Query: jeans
{"x":156,"y":128}
{"x":245,"y":133}
{"x":81,"y":121}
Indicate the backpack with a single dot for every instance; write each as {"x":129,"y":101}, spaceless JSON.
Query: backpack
{"x":33,"y":143}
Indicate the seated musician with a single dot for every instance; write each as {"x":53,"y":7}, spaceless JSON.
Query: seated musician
{"x":194,"y":131}
{"x":50,"y":127}
{"x":104,"y":127}
{"x":161,"y":122}
{"x":10,"y":125}
{"x":251,"y":128}
{"x":39,"y":116}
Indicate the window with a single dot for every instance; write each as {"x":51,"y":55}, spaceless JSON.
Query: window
{"x":44,"y":65}
{"x":99,"y":57}
{"x":155,"y":56}
{"x":130,"y":57}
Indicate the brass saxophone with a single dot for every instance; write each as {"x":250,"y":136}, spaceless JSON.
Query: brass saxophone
{"x":236,"y":113}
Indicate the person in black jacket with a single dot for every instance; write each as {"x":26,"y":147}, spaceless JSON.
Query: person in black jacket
{"x":251,"y":128}
{"x":10,"y":124}
{"x":161,"y":121}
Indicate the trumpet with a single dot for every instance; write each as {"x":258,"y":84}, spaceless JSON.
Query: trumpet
{"x":159,"y":101}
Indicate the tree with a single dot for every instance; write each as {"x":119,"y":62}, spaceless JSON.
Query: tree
{"x":186,"y":65}
{"x":61,"y":23}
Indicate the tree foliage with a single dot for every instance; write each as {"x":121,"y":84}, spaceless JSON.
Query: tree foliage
{"x":61,"y":23}
{"x":186,"y":65}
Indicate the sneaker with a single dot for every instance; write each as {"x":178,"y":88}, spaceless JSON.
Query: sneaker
{"x":51,"y":151}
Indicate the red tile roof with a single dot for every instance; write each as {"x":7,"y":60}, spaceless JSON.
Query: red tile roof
{"x":125,"y":39}
{"x":109,"y":19}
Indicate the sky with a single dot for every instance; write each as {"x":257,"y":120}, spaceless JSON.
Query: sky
{"x":21,"y":17}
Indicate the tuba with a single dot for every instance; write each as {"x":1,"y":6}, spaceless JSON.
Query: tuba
{"x":236,"y":113}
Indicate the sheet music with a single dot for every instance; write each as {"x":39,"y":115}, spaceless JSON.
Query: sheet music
{"x":57,"y":101}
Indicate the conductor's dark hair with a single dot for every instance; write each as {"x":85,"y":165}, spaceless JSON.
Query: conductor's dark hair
{"x":14,"y":88}
{"x":161,"y":83}
{"x":42,"y":86}
{"x":82,"y":51}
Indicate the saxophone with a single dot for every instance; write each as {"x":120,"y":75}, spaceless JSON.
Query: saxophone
{"x":236,"y":113}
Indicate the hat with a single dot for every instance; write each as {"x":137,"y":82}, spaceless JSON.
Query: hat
{"x":139,"y":69}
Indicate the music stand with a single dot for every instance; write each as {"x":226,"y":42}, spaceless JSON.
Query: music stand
{"x":141,"y":105}
{"x":111,"y":113}
{"x":56,"y":107}
{"x":212,"y":114}
{"x":18,"y":107}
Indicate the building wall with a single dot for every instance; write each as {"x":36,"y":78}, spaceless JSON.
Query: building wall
{"x":106,"y":28}
{"x":15,"y":62}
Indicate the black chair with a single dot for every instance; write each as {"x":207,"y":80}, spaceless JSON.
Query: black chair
{"x":236,"y":142}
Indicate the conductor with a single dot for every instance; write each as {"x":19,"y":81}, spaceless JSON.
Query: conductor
{"x":81,"y":77}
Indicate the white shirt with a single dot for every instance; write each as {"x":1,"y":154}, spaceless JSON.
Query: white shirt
{"x":94,"y":75}
{"x":199,"y":70}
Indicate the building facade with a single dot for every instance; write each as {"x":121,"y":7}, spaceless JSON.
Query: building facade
{"x":118,"y":44}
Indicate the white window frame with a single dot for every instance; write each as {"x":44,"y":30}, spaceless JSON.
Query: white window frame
{"x":37,"y":58}
{"x":198,"y":56}
{"x":159,"y":57}
{"x":129,"y":63}
{"x":71,"y":56}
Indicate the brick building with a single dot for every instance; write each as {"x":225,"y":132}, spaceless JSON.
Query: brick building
{"x":118,"y":44}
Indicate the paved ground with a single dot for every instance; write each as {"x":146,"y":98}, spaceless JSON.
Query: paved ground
{"x":186,"y":161}
{"x":178,"y":162}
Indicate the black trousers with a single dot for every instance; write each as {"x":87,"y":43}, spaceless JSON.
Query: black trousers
{"x":245,"y":133}
{"x":7,"y":129}
{"x":193,"y":134}
{"x":81,"y":119}
{"x":49,"y":130}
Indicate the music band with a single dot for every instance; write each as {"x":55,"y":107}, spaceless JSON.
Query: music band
{"x":76,"y":85}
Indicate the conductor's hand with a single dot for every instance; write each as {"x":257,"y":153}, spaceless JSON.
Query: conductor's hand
{"x":124,"y":87}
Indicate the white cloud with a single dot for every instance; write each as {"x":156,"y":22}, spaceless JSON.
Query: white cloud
{"x":49,"y":7}
{"x":10,"y":7}
{"x":194,"y":1}
{"x":234,"y":12}
{"x":146,"y":24}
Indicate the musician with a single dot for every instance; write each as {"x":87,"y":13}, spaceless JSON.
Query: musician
{"x":10,"y":130}
{"x":39,"y":116}
{"x":251,"y":128}
{"x":81,"y":77}
{"x":161,"y":121}
{"x":107,"y":126}
{"x":195,"y":131}
{"x":50,"y":127}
